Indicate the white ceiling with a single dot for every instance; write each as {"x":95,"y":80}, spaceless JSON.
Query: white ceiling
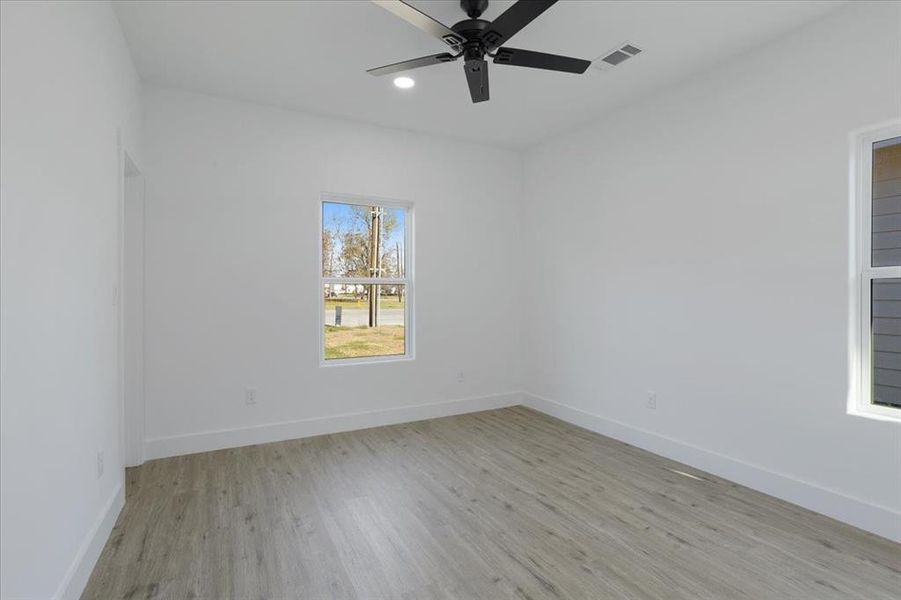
{"x":313,"y":56}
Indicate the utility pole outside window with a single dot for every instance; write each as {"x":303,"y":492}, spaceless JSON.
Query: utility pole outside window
{"x":375,"y":262}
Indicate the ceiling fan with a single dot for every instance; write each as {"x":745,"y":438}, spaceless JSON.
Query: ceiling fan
{"x":476,"y":38}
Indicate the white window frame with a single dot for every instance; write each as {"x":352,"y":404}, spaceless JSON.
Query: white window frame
{"x":406,"y":280}
{"x":860,"y":401}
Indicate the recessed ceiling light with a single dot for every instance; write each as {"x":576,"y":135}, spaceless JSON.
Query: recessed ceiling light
{"x":404,"y":83}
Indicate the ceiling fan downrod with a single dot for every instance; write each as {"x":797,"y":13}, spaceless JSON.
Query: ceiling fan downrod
{"x":474,"y":8}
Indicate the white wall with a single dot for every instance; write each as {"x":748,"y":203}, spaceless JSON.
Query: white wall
{"x":66,"y":85}
{"x":696,"y":245}
{"x":232,"y":294}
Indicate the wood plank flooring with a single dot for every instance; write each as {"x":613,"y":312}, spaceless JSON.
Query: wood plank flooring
{"x":501,"y":504}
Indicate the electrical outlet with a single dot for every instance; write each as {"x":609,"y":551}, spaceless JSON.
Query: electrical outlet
{"x":250,"y":396}
{"x":461,"y":377}
{"x":99,"y":464}
{"x":652,"y":400}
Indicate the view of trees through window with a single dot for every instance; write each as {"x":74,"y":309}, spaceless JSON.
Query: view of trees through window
{"x":364,"y":280}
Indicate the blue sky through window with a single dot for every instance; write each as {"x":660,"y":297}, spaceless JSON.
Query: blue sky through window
{"x":341,"y":219}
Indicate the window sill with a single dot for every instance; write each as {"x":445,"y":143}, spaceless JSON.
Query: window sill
{"x":369,"y":360}
{"x":877,"y":413}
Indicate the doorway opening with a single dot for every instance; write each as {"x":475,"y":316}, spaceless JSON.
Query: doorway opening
{"x":131,"y":311}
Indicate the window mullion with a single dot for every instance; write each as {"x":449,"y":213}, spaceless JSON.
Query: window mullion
{"x":364,"y":281}
{"x":882,"y":272}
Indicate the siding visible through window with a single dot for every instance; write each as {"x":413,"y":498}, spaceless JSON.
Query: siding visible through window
{"x":887,"y":203}
{"x":886,"y":291}
{"x":887,"y":342}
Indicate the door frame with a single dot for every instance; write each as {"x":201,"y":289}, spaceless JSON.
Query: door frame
{"x":130,"y":313}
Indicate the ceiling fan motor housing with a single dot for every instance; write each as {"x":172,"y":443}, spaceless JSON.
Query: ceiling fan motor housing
{"x":471,"y":29}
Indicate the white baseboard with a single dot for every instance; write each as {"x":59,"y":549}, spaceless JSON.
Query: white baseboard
{"x":206,"y":441}
{"x":79,"y":571}
{"x":876,"y":519}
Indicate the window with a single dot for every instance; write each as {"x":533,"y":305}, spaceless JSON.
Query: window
{"x":366,"y":284}
{"x":877,"y":297}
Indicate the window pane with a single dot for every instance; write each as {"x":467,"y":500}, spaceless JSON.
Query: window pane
{"x":348,"y":241}
{"x":887,"y":203}
{"x":357,"y":328}
{"x":886,"y":294}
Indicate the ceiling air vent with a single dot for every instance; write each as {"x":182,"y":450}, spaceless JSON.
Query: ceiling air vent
{"x":616,"y":56}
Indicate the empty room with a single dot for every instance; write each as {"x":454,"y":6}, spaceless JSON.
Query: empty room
{"x":450,"y":299}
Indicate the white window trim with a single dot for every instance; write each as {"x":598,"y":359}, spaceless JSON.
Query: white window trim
{"x":862,"y":273}
{"x":407,"y":280}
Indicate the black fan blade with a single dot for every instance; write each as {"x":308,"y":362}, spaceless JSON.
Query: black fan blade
{"x":413,"y":63}
{"x":477,"y":78}
{"x":512,"y":20}
{"x":422,"y":21}
{"x":540,"y":60}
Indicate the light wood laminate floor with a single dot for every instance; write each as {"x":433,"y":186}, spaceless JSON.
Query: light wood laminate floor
{"x":501,"y":504}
